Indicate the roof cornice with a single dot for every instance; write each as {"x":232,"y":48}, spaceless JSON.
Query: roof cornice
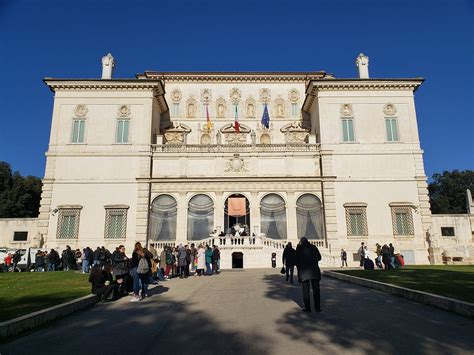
{"x":156,"y":86}
{"x":234,"y":76}
{"x":315,"y":86}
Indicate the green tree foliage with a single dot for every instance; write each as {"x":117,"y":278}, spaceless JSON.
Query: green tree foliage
{"x":448,"y":191}
{"x":19,"y":196}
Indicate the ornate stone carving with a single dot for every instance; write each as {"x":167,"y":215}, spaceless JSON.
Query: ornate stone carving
{"x":233,"y":137}
{"x":346,"y":110}
{"x":124,"y":111}
{"x":265,"y":139}
{"x":191,"y":107}
{"x":294,"y":95}
{"x":236,"y":164}
{"x":206,"y":139}
{"x":295,"y":133}
{"x":206,"y":95}
{"x":177,"y":134}
{"x":235,"y":96}
{"x":264,"y":134}
{"x":389,"y":109}
{"x":80,"y":111}
{"x":220,"y":108}
{"x":280,"y":111}
{"x":176,"y":95}
{"x":250,"y":107}
{"x":265,"y":95}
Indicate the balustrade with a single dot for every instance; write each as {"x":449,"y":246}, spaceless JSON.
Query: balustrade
{"x":233,"y":148}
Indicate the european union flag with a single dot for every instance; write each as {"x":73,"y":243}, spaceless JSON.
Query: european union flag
{"x":266,"y":117}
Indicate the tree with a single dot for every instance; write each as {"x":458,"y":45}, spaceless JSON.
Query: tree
{"x":19,"y":196}
{"x":448,"y":191}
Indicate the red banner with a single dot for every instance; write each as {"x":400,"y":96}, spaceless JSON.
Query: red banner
{"x":236,"y":206}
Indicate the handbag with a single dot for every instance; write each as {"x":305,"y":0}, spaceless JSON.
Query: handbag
{"x":143,"y":266}
{"x":283,"y":270}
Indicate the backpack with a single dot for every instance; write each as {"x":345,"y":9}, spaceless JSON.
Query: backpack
{"x":143,"y":267}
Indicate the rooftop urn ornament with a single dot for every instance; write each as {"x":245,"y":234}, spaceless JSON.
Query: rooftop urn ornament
{"x":108,"y":63}
{"x":362,"y":63}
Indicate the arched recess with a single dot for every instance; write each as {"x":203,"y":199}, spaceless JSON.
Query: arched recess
{"x":309,"y":217}
{"x":164,"y":209}
{"x":200,"y":217}
{"x":273,"y":216}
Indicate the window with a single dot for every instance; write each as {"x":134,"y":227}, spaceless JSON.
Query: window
{"x":273,"y":216}
{"x":447,"y":231}
{"x":68,"y":223}
{"x":122,"y":130}
{"x":20,"y":236}
{"x":309,"y":217}
{"x":78,"y":128}
{"x":348,"y":130}
{"x":294,"y":109}
{"x":115,"y":223}
{"x":392,"y":132}
{"x":163,"y":218}
{"x":402,"y":220}
{"x":356,"y":220}
{"x":176,"y":109}
{"x":200,"y":217}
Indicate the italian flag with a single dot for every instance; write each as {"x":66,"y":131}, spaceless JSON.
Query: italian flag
{"x":236,"y":122}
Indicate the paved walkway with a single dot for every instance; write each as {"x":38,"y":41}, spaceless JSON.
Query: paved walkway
{"x":252,"y":312}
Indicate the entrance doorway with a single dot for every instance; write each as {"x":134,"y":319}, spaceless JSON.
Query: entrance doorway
{"x":237,"y":260}
{"x":237,"y":212}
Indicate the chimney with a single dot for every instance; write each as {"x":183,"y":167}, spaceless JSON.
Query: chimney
{"x":108,"y":63}
{"x":362,"y":62}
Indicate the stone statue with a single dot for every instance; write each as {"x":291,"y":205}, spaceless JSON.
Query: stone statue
{"x":280,"y":110}
{"x":253,"y":137}
{"x":218,"y":138}
{"x":220,"y":110}
{"x":191,"y":110}
{"x":250,"y":110}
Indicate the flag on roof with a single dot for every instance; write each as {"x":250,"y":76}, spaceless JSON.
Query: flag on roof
{"x":236,"y":122}
{"x":208,"y":119}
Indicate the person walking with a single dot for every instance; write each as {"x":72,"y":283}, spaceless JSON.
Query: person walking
{"x":144,"y":270}
{"x":343,"y":258}
{"x":307,"y":259}
{"x":289,"y":261}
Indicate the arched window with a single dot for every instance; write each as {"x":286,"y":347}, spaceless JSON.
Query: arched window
{"x":163,"y":218}
{"x":273,"y":216}
{"x":309,"y":217}
{"x":200,"y":217}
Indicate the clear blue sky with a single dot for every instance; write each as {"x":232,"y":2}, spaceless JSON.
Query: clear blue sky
{"x":403,"y":38}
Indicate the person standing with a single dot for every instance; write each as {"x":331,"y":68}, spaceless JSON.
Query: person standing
{"x":39,"y":261}
{"x":208,"y":260}
{"x":133,"y":271}
{"x":201,"y":256}
{"x":386,"y":257}
{"x":289,"y":260}
{"x":85,"y":260}
{"x":120,"y":269}
{"x":391,"y":249}
{"x":193,"y":258}
{"x":144,"y":270}
{"x":343,"y":258}
{"x":53,"y":260}
{"x":182,"y":261}
{"x":163,"y":261}
{"x":216,"y":256}
{"x":8,"y":262}
{"x":307,"y":259}
{"x":361,"y":253}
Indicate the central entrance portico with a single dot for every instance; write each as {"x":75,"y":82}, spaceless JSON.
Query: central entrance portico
{"x":237,"y":214}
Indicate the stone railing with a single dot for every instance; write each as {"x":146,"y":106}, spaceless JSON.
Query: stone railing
{"x":233,"y":148}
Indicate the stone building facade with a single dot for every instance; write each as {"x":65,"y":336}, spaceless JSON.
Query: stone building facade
{"x":159,"y":159}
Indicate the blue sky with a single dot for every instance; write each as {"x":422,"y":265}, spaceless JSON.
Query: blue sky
{"x":412,"y":38}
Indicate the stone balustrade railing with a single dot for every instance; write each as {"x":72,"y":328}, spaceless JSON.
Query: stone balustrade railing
{"x":233,"y":148}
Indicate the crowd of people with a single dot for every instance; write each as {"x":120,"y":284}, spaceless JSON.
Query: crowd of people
{"x":385,"y":257}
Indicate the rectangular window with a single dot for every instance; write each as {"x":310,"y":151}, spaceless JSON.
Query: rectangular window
{"x":115,"y":223}
{"x":176,"y":109}
{"x":392,"y":132}
{"x":122,"y":131}
{"x":356,"y":221}
{"x":294,"y":109}
{"x":78,"y":128}
{"x":68,"y":223}
{"x":20,"y":236}
{"x":347,"y":130}
{"x":402,"y":221}
{"x":447,"y":231}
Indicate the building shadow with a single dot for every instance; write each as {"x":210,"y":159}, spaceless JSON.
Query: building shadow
{"x":360,"y":320}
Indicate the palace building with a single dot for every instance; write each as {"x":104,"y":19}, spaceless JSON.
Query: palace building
{"x":244,"y":160}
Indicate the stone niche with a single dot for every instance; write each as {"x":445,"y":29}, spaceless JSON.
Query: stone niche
{"x":295,"y":133}
{"x":176,"y":134}
{"x":231,"y":136}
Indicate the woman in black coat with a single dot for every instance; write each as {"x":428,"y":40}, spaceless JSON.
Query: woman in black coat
{"x":307,"y":258}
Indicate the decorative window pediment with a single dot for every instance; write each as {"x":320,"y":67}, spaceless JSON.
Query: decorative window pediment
{"x":233,"y":137}
{"x":177,"y":134}
{"x":295,"y":132}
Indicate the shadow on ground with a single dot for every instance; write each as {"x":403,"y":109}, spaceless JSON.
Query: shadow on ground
{"x":365,"y":321}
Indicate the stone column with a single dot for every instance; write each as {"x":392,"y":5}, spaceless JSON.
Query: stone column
{"x":182,"y":219}
{"x":219,"y":211}
{"x":291,"y":225}
{"x":254,"y":212}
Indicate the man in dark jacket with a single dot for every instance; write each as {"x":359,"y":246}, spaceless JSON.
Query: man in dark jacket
{"x":289,"y":260}
{"x":307,"y":258}
{"x":120,"y":269}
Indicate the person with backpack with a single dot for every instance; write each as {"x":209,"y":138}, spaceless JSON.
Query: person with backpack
{"x":143,"y":271}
